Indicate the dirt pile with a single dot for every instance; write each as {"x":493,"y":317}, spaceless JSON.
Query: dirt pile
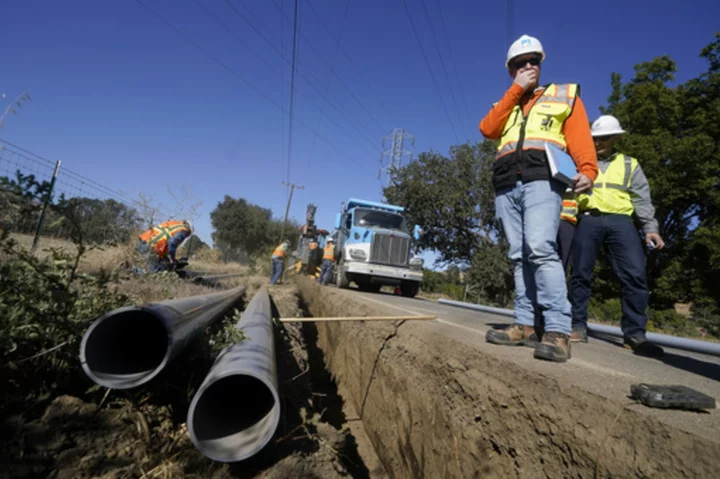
{"x":434,"y":407}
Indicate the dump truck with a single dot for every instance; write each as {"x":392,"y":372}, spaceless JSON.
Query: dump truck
{"x":374,"y":248}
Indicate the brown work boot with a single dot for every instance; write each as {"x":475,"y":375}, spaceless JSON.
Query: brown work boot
{"x":515,"y":335}
{"x":554,"y":347}
{"x":579,"y":333}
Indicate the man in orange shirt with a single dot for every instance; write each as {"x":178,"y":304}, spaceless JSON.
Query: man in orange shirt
{"x":528,"y":202}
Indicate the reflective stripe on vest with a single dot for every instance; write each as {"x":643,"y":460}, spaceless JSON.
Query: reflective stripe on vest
{"x":544,"y":122}
{"x":569,"y":207}
{"x":329,"y":252}
{"x":611,"y":191}
{"x":158,"y":236}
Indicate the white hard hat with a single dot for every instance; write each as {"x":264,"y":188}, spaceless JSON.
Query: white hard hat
{"x":331,"y":239}
{"x":606,"y":125}
{"x":189,"y":225}
{"x":523,"y":45}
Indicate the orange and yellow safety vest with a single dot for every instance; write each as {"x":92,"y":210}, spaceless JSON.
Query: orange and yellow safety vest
{"x":329,"y":252}
{"x":158,"y":236}
{"x":279,"y":251}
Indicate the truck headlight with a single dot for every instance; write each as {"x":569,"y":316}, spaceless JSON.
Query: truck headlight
{"x":358,"y":254}
{"x":417,"y":261}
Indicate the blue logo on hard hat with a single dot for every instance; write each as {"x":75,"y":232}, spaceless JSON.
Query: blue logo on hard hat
{"x":525,"y":42}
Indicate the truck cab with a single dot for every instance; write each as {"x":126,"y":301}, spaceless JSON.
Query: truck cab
{"x":374,"y":248}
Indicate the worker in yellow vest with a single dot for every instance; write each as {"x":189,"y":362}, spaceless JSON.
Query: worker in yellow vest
{"x":528,"y":202}
{"x":278,"y":261}
{"x":160,"y":243}
{"x":328,"y":262}
{"x":606,"y":220}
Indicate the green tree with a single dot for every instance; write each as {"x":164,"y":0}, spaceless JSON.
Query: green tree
{"x":673,"y":132}
{"x":243,"y":229}
{"x":452,"y":198}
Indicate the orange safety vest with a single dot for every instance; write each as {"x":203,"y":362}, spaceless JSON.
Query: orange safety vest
{"x":329,"y":252}
{"x":313,"y":245}
{"x":569,"y":208}
{"x":279,"y":251}
{"x":158,"y":236}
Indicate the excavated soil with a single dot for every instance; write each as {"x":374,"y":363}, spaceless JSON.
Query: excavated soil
{"x":434,"y":407}
{"x":142,"y":432}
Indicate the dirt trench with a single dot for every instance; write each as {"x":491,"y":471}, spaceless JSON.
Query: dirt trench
{"x":93,"y":432}
{"x":433,"y":407}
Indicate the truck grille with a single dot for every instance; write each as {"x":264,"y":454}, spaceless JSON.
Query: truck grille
{"x":389,"y":249}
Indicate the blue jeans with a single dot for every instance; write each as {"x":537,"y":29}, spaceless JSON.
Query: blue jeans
{"x":326,"y":271}
{"x":529,"y":215}
{"x":276,"y":270}
{"x":627,"y":257}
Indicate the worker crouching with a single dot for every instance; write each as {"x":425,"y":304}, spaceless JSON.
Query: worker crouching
{"x":159,"y":244}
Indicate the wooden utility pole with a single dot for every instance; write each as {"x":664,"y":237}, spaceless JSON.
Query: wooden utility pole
{"x":292,"y":187}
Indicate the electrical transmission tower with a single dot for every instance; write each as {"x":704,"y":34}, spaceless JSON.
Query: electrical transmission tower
{"x":395,"y":153}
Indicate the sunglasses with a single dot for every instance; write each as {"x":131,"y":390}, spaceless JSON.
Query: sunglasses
{"x":518,"y":64}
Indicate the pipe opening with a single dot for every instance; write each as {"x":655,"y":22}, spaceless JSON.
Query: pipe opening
{"x":232,"y":405}
{"x":126,"y":346}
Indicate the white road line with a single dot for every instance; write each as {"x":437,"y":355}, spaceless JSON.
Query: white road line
{"x":575,"y":361}
{"x":414,"y":313}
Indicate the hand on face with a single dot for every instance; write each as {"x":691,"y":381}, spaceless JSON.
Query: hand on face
{"x":525,"y":71}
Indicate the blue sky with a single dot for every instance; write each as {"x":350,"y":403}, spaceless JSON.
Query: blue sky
{"x":125,"y":100}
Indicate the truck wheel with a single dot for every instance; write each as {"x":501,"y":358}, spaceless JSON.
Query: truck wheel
{"x":409,"y":289}
{"x":341,"y":278}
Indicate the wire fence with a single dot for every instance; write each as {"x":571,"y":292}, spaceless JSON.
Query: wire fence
{"x":43,"y":198}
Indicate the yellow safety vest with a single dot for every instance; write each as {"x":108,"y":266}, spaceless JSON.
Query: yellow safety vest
{"x":329,"y":252}
{"x":611,"y":191}
{"x":544,"y":123}
{"x":569,"y":207}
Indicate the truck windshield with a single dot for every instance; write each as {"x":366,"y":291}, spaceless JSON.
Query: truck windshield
{"x":378,"y":219}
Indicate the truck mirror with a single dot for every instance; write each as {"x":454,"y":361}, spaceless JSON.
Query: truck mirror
{"x":417,"y":232}
{"x":338,"y":221}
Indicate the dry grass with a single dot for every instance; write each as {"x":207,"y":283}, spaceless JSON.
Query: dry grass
{"x":148,"y":289}
{"x":94,"y":260}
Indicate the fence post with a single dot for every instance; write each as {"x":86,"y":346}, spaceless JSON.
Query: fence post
{"x":48,"y":199}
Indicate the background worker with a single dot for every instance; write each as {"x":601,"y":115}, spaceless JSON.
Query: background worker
{"x":528,"y":203}
{"x":606,"y":220}
{"x":328,"y":261}
{"x":278,"y":261}
{"x":160,"y":243}
{"x":566,"y":230}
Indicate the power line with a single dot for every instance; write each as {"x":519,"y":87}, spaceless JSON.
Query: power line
{"x":100,"y":188}
{"x":454,"y":63}
{"x":282,"y":76}
{"x":432,"y":75}
{"x":330,"y":76}
{"x":292,"y":88}
{"x":358,"y":71}
{"x":360,"y":126}
{"x":442,"y":62}
{"x":312,"y":47}
{"x":245,"y":82}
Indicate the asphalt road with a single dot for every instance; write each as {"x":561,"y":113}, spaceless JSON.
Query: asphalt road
{"x":602,"y":366}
